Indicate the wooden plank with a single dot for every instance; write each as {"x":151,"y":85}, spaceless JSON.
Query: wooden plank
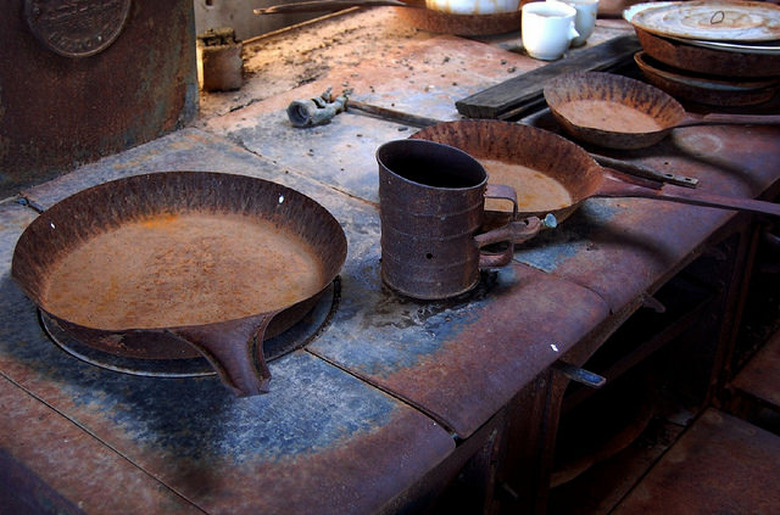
{"x":523,"y":93}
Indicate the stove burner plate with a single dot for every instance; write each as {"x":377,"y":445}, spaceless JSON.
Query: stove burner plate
{"x":292,"y":339}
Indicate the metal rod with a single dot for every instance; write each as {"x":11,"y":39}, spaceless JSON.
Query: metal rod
{"x":326,"y":5}
{"x":391,"y":114}
{"x":645,"y":172}
{"x":579,"y":375}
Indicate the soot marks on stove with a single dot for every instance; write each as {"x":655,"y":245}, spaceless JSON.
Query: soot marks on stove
{"x":403,"y":312}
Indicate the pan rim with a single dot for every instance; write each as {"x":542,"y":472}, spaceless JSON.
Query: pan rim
{"x":554,"y":98}
{"x":22,"y":268}
{"x":645,"y":99}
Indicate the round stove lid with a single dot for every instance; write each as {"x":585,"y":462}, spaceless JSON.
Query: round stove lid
{"x":720,"y":20}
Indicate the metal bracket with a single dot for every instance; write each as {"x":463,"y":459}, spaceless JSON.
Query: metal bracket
{"x":579,"y":375}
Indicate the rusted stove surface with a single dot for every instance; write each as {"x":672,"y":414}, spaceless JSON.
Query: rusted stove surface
{"x":36,"y":470}
{"x":321,"y":435}
{"x":605,"y":259}
{"x":445,"y":357}
{"x":365,"y":411}
{"x":441,"y":357}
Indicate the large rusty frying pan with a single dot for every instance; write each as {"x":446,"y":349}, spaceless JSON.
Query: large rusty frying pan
{"x":619,"y":112}
{"x":181,"y":264}
{"x":553,"y":175}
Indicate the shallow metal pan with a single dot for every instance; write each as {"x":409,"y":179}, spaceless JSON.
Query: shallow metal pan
{"x":618,"y":112}
{"x":705,"y":89}
{"x":178,"y":264}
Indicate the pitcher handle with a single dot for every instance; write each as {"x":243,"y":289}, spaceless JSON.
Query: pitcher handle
{"x":514,"y":232}
{"x":503,"y":192}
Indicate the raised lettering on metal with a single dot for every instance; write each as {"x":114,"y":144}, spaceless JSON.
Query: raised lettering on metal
{"x":77,"y":28}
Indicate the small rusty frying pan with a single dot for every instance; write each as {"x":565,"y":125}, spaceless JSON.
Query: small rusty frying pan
{"x":180,"y":264}
{"x":618,"y":112}
{"x":553,"y":175}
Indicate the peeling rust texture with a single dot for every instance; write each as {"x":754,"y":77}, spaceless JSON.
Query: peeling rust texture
{"x":57,"y":112}
{"x":444,"y":356}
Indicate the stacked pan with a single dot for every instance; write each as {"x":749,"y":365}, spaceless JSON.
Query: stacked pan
{"x":721,"y":52}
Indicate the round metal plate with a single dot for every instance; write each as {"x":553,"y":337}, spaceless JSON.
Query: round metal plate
{"x":738,"y":48}
{"x":296,"y":337}
{"x":719,"y":20}
{"x":704,"y":89}
{"x":77,"y":28}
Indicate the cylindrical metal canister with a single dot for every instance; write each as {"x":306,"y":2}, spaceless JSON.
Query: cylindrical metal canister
{"x":431,"y":206}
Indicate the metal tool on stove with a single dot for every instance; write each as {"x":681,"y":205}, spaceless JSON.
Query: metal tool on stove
{"x":317,"y":111}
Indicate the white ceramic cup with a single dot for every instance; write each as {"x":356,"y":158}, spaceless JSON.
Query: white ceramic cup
{"x":547,"y":29}
{"x":585,"y":21}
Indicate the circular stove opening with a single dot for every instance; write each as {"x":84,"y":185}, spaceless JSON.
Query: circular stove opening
{"x":296,"y":337}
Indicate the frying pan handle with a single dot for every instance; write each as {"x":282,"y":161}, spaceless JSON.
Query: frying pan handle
{"x":235,"y":350}
{"x":732,"y":119}
{"x":612,"y":187}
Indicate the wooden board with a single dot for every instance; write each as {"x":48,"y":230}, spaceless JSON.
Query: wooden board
{"x":523,"y":94}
